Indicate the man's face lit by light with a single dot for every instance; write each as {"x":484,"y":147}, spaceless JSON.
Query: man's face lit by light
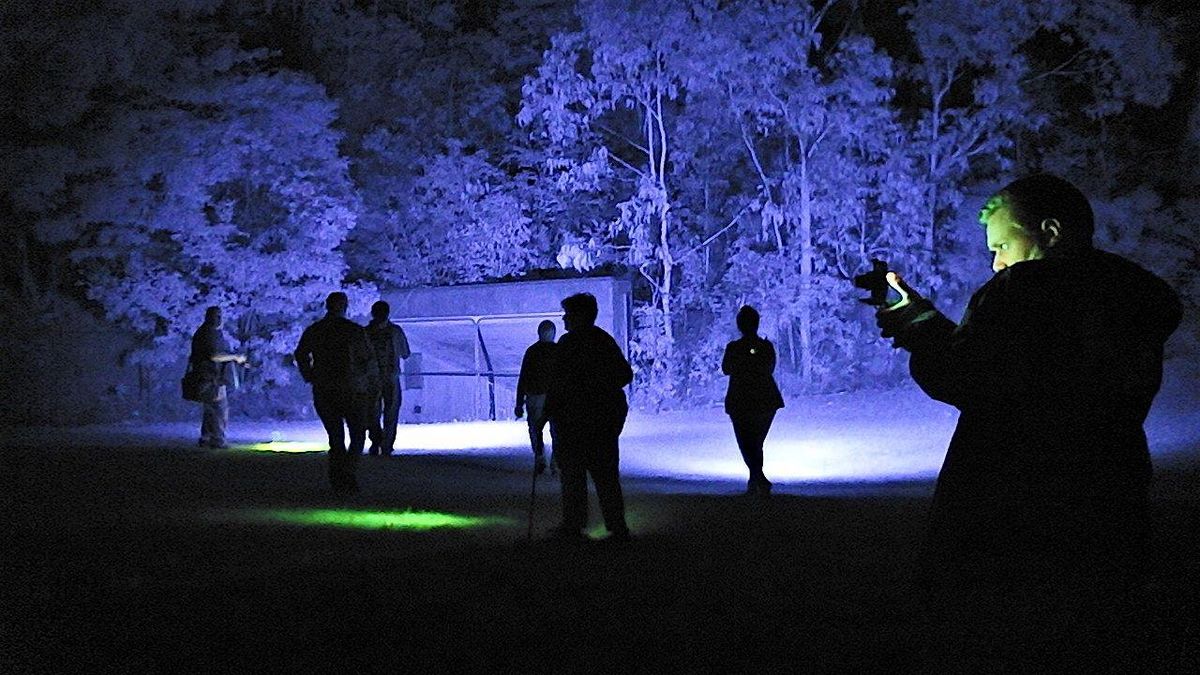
{"x":1009,"y":242}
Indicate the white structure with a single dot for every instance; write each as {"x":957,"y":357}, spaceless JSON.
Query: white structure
{"x":467,"y":341}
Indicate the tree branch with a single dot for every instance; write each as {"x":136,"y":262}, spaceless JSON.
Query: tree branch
{"x":714,"y":236}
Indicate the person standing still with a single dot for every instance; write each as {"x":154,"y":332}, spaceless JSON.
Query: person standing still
{"x":335,"y":356}
{"x":531,"y":390}
{"x":753,"y":396}
{"x":211,"y":355}
{"x":391,"y":346}
{"x":586,"y":405}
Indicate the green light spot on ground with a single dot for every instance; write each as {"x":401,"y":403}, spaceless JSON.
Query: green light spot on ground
{"x":284,"y":446}
{"x":379,"y":520}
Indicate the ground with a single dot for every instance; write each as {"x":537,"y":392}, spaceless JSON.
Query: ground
{"x":129,"y":549}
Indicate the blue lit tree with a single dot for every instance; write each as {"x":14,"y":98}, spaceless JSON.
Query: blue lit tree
{"x":217,"y":180}
{"x":816,"y":122}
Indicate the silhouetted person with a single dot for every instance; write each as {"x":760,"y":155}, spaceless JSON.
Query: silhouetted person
{"x":1053,"y":367}
{"x":391,"y":346}
{"x":335,"y":356}
{"x":536,"y":369}
{"x":585,"y":402}
{"x":753,"y":396}
{"x":212,"y":357}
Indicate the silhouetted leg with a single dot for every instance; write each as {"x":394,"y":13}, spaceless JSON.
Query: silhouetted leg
{"x":358,"y":413}
{"x":391,"y":414}
{"x":207,"y":422}
{"x":751,"y":432}
{"x":573,"y":477}
{"x":606,"y":475}
{"x":743,"y":431}
{"x":327,"y":405}
{"x":374,"y":429}
{"x":220,"y":420}
{"x":535,"y":415}
{"x":761,"y":431}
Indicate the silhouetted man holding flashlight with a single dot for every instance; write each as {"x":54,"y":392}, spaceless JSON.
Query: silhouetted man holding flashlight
{"x":1053,"y":367}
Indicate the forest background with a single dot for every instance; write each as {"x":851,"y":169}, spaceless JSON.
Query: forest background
{"x":167,"y":156}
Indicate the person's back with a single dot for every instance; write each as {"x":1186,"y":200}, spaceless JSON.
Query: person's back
{"x":335,"y":343}
{"x":590,"y":373}
{"x":585,"y":404}
{"x":537,"y":367}
{"x":390,"y":345}
{"x":335,"y":356}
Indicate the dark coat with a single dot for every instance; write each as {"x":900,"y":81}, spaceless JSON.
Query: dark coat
{"x":585,"y":393}
{"x":750,"y":364}
{"x":537,"y":367}
{"x":334,"y":353}
{"x":1053,"y":367}
{"x":208,"y":341}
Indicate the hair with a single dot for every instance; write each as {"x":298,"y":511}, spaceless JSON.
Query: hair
{"x":211,"y":313}
{"x":1034,"y":199}
{"x":337,"y":302}
{"x":582,"y":305}
{"x":747,"y":320}
{"x":546,"y":327}
{"x":380,"y":310}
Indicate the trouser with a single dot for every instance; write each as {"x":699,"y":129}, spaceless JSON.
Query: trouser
{"x":750,"y":430}
{"x":214,"y":419}
{"x":387,"y":407}
{"x":535,"y":416}
{"x":340,"y":410}
{"x":594,"y":451}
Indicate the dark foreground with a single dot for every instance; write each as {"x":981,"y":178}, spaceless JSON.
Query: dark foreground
{"x":144,"y":560}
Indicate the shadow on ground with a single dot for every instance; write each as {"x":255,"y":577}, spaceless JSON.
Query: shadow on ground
{"x":138,"y":560}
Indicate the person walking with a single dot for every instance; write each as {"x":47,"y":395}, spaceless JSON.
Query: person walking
{"x":753,"y":396}
{"x":536,"y":368}
{"x":335,"y":356}
{"x":391,"y":347}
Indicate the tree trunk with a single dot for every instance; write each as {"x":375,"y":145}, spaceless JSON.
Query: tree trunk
{"x":806,"y":273}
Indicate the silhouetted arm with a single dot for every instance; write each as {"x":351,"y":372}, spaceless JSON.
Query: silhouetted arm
{"x":960,"y":364}
{"x":303,"y":355}
{"x":729,"y":360}
{"x":618,"y":367}
{"x":401,"y":342}
{"x":522,"y":381}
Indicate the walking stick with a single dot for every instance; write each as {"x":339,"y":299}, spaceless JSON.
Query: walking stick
{"x":532,"y":499}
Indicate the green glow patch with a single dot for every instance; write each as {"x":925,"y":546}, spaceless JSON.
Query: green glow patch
{"x":420,"y":521}
{"x":284,"y":446}
{"x":633,"y":519}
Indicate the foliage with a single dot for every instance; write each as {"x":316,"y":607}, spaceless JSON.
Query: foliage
{"x":182,"y":153}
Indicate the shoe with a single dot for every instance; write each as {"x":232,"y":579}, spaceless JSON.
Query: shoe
{"x":616,"y":538}
{"x":373,"y":450}
{"x":562,"y":533}
{"x":758,"y":488}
